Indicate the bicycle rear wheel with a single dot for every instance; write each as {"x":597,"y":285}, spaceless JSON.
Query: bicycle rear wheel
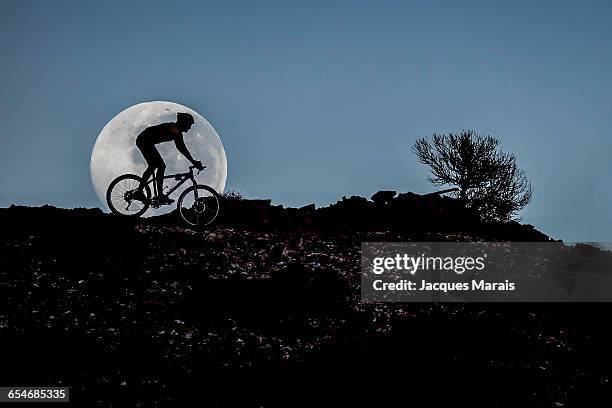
{"x":199,"y":205}
{"x":120,"y":196}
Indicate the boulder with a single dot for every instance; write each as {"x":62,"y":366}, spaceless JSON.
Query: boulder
{"x":383,"y":197}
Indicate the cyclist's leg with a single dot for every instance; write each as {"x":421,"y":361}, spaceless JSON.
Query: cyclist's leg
{"x":161,"y":168}
{"x":145,"y":176}
{"x":154,"y":160}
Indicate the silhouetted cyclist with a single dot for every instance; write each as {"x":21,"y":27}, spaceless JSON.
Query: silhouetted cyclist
{"x":165,"y":132}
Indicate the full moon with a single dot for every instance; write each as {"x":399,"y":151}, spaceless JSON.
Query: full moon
{"x":115,"y":152}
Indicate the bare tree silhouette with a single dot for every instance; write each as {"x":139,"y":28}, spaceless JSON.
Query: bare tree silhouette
{"x":488,"y":179}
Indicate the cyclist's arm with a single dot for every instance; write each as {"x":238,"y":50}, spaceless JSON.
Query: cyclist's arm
{"x":180,"y":146}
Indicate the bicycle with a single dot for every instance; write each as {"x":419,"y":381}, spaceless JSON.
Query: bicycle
{"x":198,"y":205}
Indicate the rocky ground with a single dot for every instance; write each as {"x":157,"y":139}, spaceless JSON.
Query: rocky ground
{"x":149,"y":313}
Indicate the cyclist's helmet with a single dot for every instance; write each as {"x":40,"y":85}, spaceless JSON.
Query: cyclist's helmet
{"x":183,"y":117}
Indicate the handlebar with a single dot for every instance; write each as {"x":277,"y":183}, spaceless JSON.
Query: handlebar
{"x":196,"y":167}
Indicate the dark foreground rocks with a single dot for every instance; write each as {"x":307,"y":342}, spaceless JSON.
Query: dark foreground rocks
{"x":149,"y":313}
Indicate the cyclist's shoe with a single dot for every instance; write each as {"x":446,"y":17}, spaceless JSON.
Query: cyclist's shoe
{"x":139,"y":195}
{"x":164,"y":200}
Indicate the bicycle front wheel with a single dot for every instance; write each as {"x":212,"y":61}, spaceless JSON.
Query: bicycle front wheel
{"x":199,"y":205}
{"x":122,"y":198}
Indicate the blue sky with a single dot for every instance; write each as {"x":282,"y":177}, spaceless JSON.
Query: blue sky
{"x":316,"y":100}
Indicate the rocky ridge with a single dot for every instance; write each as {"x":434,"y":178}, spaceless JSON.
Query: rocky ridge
{"x":141,"y":312}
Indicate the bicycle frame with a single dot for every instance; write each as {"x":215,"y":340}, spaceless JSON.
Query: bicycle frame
{"x":180,"y":177}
